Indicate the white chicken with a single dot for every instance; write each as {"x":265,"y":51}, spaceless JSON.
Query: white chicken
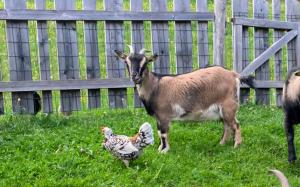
{"x":128,"y":148}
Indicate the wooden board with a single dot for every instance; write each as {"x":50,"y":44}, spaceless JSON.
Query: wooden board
{"x":276,"y":8}
{"x":114,"y":31}
{"x":1,"y":97}
{"x":183,"y":39}
{"x":160,"y":38}
{"x":240,"y":9}
{"x":19,"y":58}
{"x":261,"y":44}
{"x":263,"y":23}
{"x":137,"y":36}
{"x":203,"y":54}
{"x":18,"y":86}
{"x":292,"y":15}
{"x":67,"y":57}
{"x":44,"y":58}
{"x":219,"y":32}
{"x":82,"y":15}
{"x":92,"y":55}
{"x":265,"y":55}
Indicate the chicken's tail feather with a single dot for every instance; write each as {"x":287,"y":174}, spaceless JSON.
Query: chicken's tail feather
{"x":146,"y":135}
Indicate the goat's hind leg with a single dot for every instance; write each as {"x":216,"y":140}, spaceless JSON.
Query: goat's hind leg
{"x":289,"y":131}
{"x":226,"y":133}
{"x":229,"y":110}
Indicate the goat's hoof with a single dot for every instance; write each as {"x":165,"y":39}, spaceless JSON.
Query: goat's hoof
{"x":237,"y":144}
{"x":164,"y":151}
{"x":222,"y":142}
{"x":292,"y":160}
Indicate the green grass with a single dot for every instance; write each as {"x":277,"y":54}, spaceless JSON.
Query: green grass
{"x":58,"y":151}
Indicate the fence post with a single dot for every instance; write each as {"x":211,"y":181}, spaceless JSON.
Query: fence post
{"x":67,"y":57}
{"x":1,"y":94}
{"x":219,"y":32}
{"x":160,"y":38}
{"x":278,"y":56}
{"x":19,"y":58}
{"x":203,"y":54}
{"x":241,"y":37}
{"x":92,"y":55}
{"x":115,"y":67}
{"x":261,"y":44}
{"x":184,"y":43}
{"x":137,"y":38}
{"x":293,"y":15}
{"x":44,"y":60}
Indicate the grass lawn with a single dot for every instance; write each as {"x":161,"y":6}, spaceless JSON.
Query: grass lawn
{"x":58,"y":151}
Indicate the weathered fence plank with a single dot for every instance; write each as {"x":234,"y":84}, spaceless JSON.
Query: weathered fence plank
{"x":238,"y":47}
{"x":263,"y":23}
{"x":262,"y":59}
{"x":1,"y":104}
{"x":16,"y":86}
{"x":276,"y":8}
{"x":44,"y":58}
{"x":83,"y":15}
{"x":261,"y":44}
{"x":203,"y":54}
{"x":115,"y":67}
{"x":92,"y":55}
{"x":1,"y":96}
{"x":219,"y":32}
{"x":19,"y":58}
{"x":67,"y":57}
{"x":293,"y":15}
{"x":137,"y":36}
{"x":183,"y":39}
{"x":241,"y":43}
{"x":160,"y":38}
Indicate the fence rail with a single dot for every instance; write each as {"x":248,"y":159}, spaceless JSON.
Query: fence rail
{"x":92,"y":15}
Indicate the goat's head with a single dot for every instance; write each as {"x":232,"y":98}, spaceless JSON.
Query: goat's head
{"x":136,"y":63}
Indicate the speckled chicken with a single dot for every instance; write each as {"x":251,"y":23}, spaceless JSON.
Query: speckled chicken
{"x":128,"y":148}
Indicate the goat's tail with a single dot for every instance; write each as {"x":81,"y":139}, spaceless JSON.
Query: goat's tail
{"x":249,"y":80}
{"x":283,"y":180}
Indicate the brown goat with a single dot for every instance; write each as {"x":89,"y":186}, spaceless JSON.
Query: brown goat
{"x":209,"y":93}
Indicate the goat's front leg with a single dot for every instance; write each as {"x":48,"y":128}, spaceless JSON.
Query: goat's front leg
{"x":289,"y":131}
{"x":163,"y":128}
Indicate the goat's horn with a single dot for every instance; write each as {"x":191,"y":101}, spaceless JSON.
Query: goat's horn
{"x":131,"y":49}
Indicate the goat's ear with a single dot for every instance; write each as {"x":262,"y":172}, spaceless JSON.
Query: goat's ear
{"x":152,"y":58}
{"x":120,"y":54}
{"x":297,"y":73}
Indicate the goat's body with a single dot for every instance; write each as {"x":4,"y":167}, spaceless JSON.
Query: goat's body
{"x":205,"y":94}
{"x":291,"y":106}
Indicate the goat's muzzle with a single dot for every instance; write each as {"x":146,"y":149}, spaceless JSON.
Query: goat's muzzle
{"x":137,"y":79}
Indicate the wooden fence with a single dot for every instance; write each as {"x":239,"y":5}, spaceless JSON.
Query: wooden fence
{"x":70,"y":83}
